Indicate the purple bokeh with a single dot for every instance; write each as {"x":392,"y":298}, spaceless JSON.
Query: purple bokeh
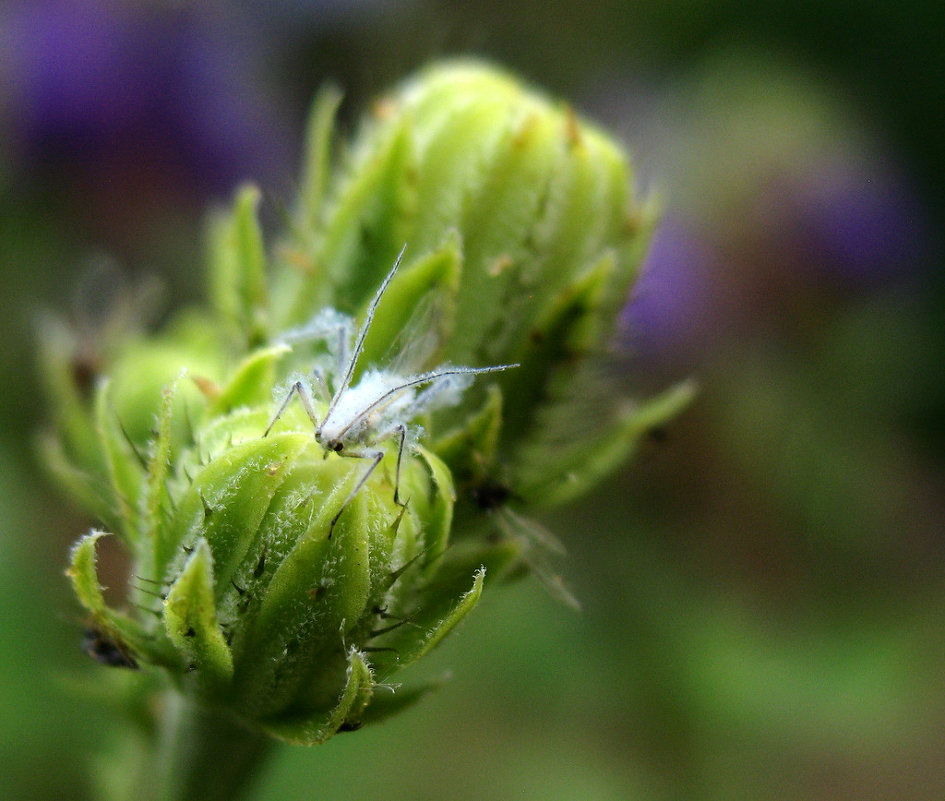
{"x":760,"y":232}
{"x":668,"y":310}
{"x":858,"y":219}
{"x":106,"y":86}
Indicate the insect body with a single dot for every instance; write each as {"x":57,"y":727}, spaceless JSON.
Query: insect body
{"x":106,"y":649}
{"x":381,"y":404}
{"x":537,"y":545}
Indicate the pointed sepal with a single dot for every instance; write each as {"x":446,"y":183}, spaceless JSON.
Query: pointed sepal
{"x":237,"y":275}
{"x":250,"y":383}
{"x":582,"y":463}
{"x":347,"y":713}
{"x":190,"y":620}
{"x":317,"y":164}
{"x":126,"y":466}
{"x":112,"y":629}
{"x":429,"y":624}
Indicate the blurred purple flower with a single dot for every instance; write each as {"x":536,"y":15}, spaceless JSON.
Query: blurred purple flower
{"x":780,"y":198}
{"x":667,"y":314}
{"x":106,"y":86}
{"x":859,"y":220}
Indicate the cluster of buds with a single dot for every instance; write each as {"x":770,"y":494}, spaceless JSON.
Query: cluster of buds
{"x":276,"y":578}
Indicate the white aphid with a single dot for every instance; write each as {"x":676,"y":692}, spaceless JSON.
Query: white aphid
{"x":381,"y":404}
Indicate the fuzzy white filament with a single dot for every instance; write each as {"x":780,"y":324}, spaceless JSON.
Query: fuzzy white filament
{"x":382,"y":404}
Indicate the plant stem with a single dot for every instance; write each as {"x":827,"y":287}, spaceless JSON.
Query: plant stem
{"x":200,"y":754}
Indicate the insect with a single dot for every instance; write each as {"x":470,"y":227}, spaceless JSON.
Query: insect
{"x":383,"y":402}
{"x":106,"y":650}
{"x":537,"y":545}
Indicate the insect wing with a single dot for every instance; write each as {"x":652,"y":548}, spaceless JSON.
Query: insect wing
{"x":327,"y":339}
{"x":538,"y":547}
{"x":418,"y":344}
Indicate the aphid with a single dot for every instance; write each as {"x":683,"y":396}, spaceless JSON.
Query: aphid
{"x":538,"y":546}
{"x":106,"y":650}
{"x":383,"y":402}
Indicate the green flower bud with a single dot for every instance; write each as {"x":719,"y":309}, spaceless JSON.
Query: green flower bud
{"x":529,"y":212}
{"x":269,"y":582}
{"x":277,"y":579}
{"x":526,"y":238}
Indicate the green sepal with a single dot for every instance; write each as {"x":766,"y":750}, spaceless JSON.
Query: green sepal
{"x":350,"y":555}
{"x":434,"y":634}
{"x":313,"y":553}
{"x":347,"y":714}
{"x":73,"y":423}
{"x":580,"y":318}
{"x":437,"y":509}
{"x":471,"y":447}
{"x":89,"y":491}
{"x":126,"y":467}
{"x":366,"y":228}
{"x":459,"y":134}
{"x":159,"y":465}
{"x":84,"y":575}
{"x":274,"y":662}
{"x":190,"y":619}
{"x":563,"y":334}
{"x":637,"y":420}
{"x":497,"y":226}
{"x":586,"y":199}
{"x":434,"y":507}
{"x":420,"y":302}
{"x":250,"y":383}
{"x":237,"y":267}
{"x":436,"y":615}
{"x":316,"y":166}
{"x":143,"y":368}
{"x":227,"y":500}
{"x":585,"y":462}
{"x":126,"y":633}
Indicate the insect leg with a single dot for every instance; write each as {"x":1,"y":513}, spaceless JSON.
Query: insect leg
{"x":402,"y":430}
{"x":376,"y":457}
{"x":298,"y":388}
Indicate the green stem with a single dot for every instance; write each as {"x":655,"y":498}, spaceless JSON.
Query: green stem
{"x":202,"y":755}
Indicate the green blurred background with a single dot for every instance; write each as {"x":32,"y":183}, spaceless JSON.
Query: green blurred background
{"x":763,"y":588}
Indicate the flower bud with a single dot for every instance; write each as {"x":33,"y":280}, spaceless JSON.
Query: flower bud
{"x":276,"y":578}
{"x":268,"y":581}
{"x":526,"y":236}
{"x":273,"y":579}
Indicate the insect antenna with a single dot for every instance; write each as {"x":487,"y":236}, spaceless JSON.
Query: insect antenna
{"x":362,"y":334}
